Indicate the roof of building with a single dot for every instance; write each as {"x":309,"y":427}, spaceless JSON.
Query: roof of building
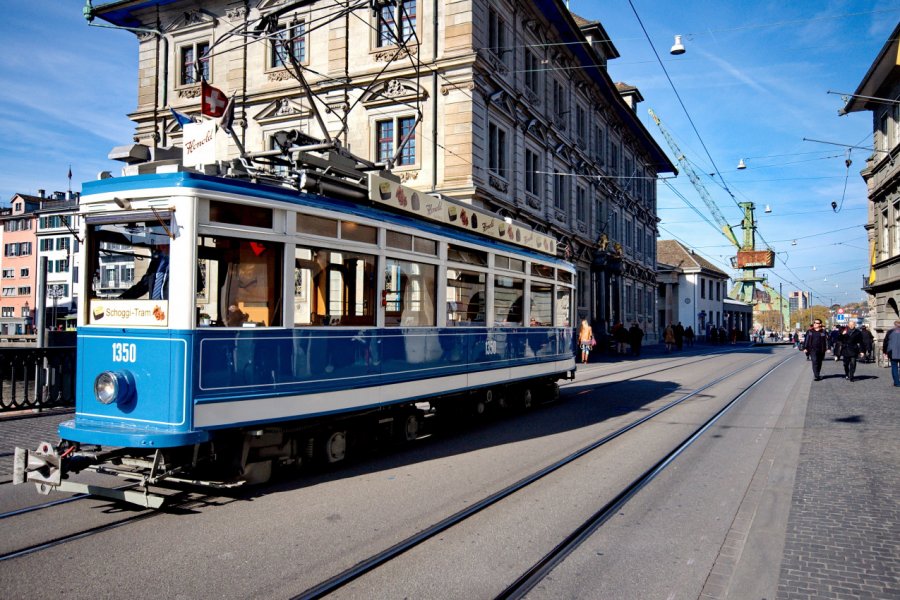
{"x":674,"y":253}
{"x":884,"y":70}
{"x":581,"y":21}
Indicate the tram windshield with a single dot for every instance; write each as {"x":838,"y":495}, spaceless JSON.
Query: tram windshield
{"x":128,"y":262}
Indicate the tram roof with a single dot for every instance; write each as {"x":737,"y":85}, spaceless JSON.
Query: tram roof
{"x":199,"y":181}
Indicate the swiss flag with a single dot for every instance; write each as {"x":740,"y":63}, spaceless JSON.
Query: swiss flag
{"x":214,"y":100}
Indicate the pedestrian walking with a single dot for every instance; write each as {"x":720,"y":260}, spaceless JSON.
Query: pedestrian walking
{"x":679,"y":335}
{"x":835,"y":337}
{"x":815,"y":344}
{"x":689,"y":336}
{"x":891,"y":347}
{"x":868,"y":344}
{"x":635,"y":337}
{"x":585,"y":340}
{"x":620,"y":336}
{"x":669,"y":338}
{"x":851,"y":348}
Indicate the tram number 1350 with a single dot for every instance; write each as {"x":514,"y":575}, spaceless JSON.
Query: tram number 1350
{"x":124,"y":353}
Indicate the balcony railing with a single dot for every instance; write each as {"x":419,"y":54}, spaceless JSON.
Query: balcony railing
{"x":37,"y":378}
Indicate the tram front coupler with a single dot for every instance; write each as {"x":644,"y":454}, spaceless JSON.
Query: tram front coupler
{"x":42,"y":466}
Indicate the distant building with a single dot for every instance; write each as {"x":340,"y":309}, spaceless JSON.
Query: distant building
{"x":798,"y":301}
{"x":35,"y":227}
{"x":691,"y":290}
{"x":879,"y":92}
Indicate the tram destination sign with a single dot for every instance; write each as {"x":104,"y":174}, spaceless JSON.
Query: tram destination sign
{"x":456,"y":214}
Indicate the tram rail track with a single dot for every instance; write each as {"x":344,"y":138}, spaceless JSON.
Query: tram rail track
{"x":533,"y":575}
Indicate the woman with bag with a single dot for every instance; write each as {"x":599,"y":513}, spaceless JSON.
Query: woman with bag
{"x":585,"y":340}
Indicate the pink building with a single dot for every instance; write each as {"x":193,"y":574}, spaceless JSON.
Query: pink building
{"x":18,"y":265}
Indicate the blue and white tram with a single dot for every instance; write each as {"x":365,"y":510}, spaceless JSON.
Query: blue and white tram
{"x":255,"y":325}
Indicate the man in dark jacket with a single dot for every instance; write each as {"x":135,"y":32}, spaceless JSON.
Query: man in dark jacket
{"x":635,"y":337}
{"x":891,"y":347}
{"x":815,"y":344}
{"x":851,"y":347}
{"x":868,"y":344}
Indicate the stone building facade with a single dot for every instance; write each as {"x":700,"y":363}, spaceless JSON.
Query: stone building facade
{"x":506,"y":104}
{"x":879,"y":93}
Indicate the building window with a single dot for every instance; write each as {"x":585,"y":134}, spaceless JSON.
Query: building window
{"x":25,"y":290}
{"x":639,"y":241}
{"x":629,"y":302}
{"x":194,"y":63}
{"x":560,"y":191}
{"x":559,"y":100}
{"x":581,"y":204}
{"x":389,"y":134}
{"x":389,"y":16}
{"x":532,"y":72}
{"x":497,"y":35}
{"x":277,"y":167}
{"x":598,"y":144}
{"x":497,"y":150}
{"x":883,"y":126}
{"x":62,"y":243}
{"x":290,"y":40}
{"x":598,"y":217}
{"x":581,"y":124}
{"x":614,"y":159}
{"x":702,"y":288}
{"x":9,"y":273}
{"x":614,"y":226}
{"x":639,"y":304}
{"x":629,"y":228}
{"x":532,"y":173}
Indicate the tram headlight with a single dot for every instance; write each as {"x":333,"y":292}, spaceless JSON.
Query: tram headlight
{"x":112,"y":386}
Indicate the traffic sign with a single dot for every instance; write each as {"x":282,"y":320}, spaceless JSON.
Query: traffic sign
{"x":840,"y":317}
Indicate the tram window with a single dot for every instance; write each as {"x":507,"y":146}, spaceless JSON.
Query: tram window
{"x":510,"y":264}
{"x":541,"y":305}
{"x":240,"y":214}
{"x":358,"y":233}
{"x":539,"y":270}
{"x":400,"y":241}
{"x":425,"y":246}
{"x":409,"y":294}
{"x":129,"y":261}
{"x":333,"y":288}
{"x":509,"y":293}
{"x":466,"y":255}
{"x":564,"y":276}
{"x":240,"y":282}
{"x":317,"y":226}
{"x":404,"y":241}
{"x":465,"y":297}
{"x":563,"y":307}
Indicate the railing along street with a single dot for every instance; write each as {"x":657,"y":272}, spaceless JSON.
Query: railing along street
{"x":37,"y":378}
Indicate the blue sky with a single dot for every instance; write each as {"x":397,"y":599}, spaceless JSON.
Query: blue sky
{"x":754,"y":80}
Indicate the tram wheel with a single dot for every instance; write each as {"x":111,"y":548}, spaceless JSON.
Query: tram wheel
{"x":410,"y":425}
{"x":334,"y":447}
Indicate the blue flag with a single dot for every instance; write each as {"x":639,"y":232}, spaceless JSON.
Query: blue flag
{"x":182,"y":118}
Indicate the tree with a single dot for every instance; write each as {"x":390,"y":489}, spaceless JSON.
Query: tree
{"x":770,"y":320}
{"x":808,"y":315}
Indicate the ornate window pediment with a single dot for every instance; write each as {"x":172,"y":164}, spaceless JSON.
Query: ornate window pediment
{"x":393,"y":90}
{"x":190,"y":20}
{"x":502,"y":100}
{"x":283,"y":109}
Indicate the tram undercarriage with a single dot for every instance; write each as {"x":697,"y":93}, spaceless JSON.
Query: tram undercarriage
{"x":251,"y":456}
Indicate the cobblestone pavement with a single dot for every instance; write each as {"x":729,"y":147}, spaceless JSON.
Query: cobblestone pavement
{"x":843,"y":533}
{"x":27,"y":430}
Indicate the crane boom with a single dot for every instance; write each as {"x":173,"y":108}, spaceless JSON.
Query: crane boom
{"x":698,"y":185}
